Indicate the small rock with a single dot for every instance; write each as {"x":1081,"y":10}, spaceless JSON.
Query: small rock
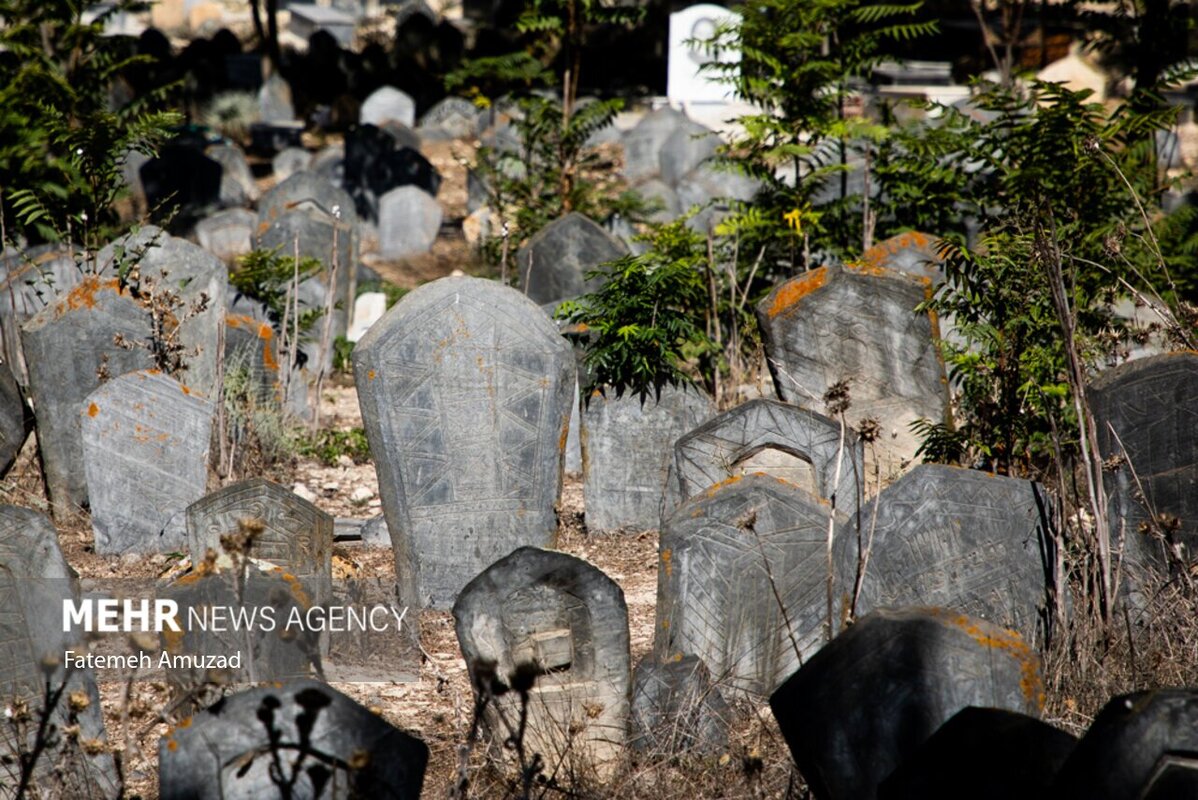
{"x":375,"y":503}
{"x":303,"y":491}
{"x":361,"y":495}
{"x":330,"y":487}
{"x":130,"y":559}
{"x":344,"y":461}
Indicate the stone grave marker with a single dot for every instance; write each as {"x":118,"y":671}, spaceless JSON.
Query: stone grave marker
{"x":66,"y":345}
{"x":465,"y":388}
{"x":676,"y":708}
{"x":558,"y":626}
{"x":913,"y":253}
{"x":237,"y":185}
{"x":554,"y":262}
{"x":885,"y":684}
{"x":375,"y":164}
{"x":251,"y":346}
{"x":690,"y":145}
{"x":16,"y":421}
{"x":181,"y":177}
{"x":343,"y":750}
{"x":409,"y":220}
{"x":742,"y":581}
{"x":658,"y":191}
{"x":644,"y":142}
{"x":779,"y":439}
{"x":306,"y":187}
{"x":963,"y":539}
{"x":145,"y":457}
{"x":227,"y":234}
{"x":33,"y":279}
{"x":451,"y":118}
{"x":369,"y":308}
{"x":274,"y":100}
{"x":402,"y":134}
{"x":886,"y":351}
{"x":388,"y":103}
{"x":686,"y":82}
{"x":626,"y":453}
{"x":289,"y":161}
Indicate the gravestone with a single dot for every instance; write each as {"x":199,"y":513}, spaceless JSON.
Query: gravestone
{"x":252,"y":349}
{"x":294,"y":535}
{"x":402,"y":134}
{"x":913,"y":253}
{"x":886,"y":351}
{"x":1018,"y":755}
{"x":145,"y":456}
{"x":332,"y":746}
{"x":677,"y":708}
{"x":227,"y":234}
{"x":806,"y":446}
{"x":963,"y":539}
{"x":237,"y":185}
{"x":655,"y":190}
{"x":274,"y":100}
{"x":268,"y":138}
{"x":375,"y":164}
{"x":35,"y":581}
{"x":690,"y":145}
{"x":181,"y":177}
{"x":865,"y":702}
{"x":15,"y":419}
{"x":1140,"y":745}
{"x":465,"y":388}
{"x":557,"y":627}
{"x":742,"y":581}
{"x":626,"y":453}
{"x":304,"y":187}
{"x":1144,"y":412}
{"x":409,"y":220}
{"x":388,"y":103}
{"x":554,"y":262}
{"x":451,"y":118}
{"x":290,"y":161}
{"x":713,"y":191}
{"x":32,"y":279}
{"x":369,"y":308}
{"x":66,"y":345}
{"x":686,"y":81}
{"x":643,"y":143}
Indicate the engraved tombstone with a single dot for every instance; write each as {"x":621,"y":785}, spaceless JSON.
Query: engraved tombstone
{"x":451,"y":118}
{"x":626,"y":453}
{"x":465,"y":388}
{"x":866,"y":701}
{"x":742,"y":581}
{"x":145,"y":456}
{"x":252,"y":355}
{"x":555,"y":621}
{"x":324,"y":743}
{"x":677,"y":708}
{"x":289,"y":161}
{"x":553,"y":263}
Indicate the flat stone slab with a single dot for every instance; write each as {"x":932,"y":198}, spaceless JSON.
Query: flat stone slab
{"x":465,"y":387}
{"x":553,"y":263}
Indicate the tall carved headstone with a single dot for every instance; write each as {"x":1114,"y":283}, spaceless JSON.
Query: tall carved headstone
{"x":913,"y":253}
{"x":145,"y":456}
{"x":556,"y":627}
{"x":554,"y":263}
{"x":465,"y":388}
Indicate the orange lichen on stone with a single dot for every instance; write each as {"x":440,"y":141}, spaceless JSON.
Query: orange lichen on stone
{"x":84,"y":293}
{"x":370,"y":375}
{"x":92,"y":410}
{"x":796,"y":289}
{"x":561,"y":442}
{"x":667,"y":564}
{"x":1010,"y":642}
{"x":711,"y":490}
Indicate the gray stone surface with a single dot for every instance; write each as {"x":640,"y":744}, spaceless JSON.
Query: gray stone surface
{"x":307,"y":186}
{"x":237,"y":185}
{"x":626,"y":453}
{"x":742,"y":581}
{"x":885,"y":684}
{"x":712,"y":190}
{"x":886,"y":351}
{"x":388,"y":103}
{"x":676,"y":708}
{"x":688,"y":146}
{"x":403,"y":135}
{"x":294,"y":535}
{"x":252,"y":352}
{"x":145,"y":457}
{"x":465,"y":389}
{"x":779,"y":439}
{"x":227,"y":234}
{"x":913,"y":253}
{"x":553,"y":263}
{"x":290,"y":161}
{"x":65,"y":345}
{"x":409,"y":221}
{"x":644,"y":142}
{"x":15,"y":419}
{"x":343,"y":750}
{"x":556,"y":622}
{"x":33,"y":279}
{"x":274,"y":100}
{"x":451,"y":118}
{"x":375,"y":531}
{"x":971,"y":541}
{"x":657,"y":190}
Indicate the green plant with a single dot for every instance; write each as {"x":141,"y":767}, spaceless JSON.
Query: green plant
{"x":329,"y":445}
{"x":271,"y":278}
{"x":343,"y":350}
{"x":232,"y":113}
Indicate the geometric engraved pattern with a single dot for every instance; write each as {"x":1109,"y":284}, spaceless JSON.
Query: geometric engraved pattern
{"x":967,"y":540}
{"x":465,"y":393}
{"x":742,"y":581}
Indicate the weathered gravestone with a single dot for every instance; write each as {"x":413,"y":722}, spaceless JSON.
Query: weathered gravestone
{"x":712,"y":191}
{"x":287,"y":531}
{"x":465,"y":388}
{"x":883,"y":349}
{"x":305,"y":187}
{"x":677,"y":708}
{"x":451,"y":118}
{"x":690,"y":145}
{"x":626,"y":453}
{"x":409,"y":220}
{"x":145,"y":456}
{"x":866,"y":701}
{"x":554,"y":627}
{"x":307,"y":19}
{"x":657,"y":191}
{"x":913,"y":253}
{"x":66,"y":345}
{"x":982,"y":753}
{"x":32,"y":279}
{"x":15,"y":419}
{"x":252,"y":355}
{"x":274,"y":100}
{"x":375,"y":163}
{"x":35,"y":580}
{"x":1140,"y":745}
{"x":369,"y":308}
{"x":779,"y":439}
{"x":1147,"y":420}
{"x":644,"y":142}
{"x":742,"y":581}
{"x":388,"y":103}
{"x":963,"y":539}
{"x":402,"y":134}
{"x":237,"y":185}
{"x":289,"y":161}
{"x":323,"y":743}
{"x":227,"y":234}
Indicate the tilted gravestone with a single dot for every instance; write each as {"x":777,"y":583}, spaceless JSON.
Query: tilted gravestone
{"x":712,"y":191}
{"x":15,"y":419}
{"x":626,"y":453}
{"x":644,"y":142}
{"x":555,"y":627}
{"x":1145,"y":416}
{"x":677,"y":708}
{"x":227,"y":234}
{"x":302,"y":734}
{"x":290,"y":161}
{"x":35,"y":580}
{"x":32,"y":280}
{"x":465,"y":388}
{"x":388,"y":103}
{"x":866,"y":701}
{"x":886,"y":351}
{"x":301,"y":187}
{"x":963,"y":539}
{"x":1018,"y":755}
{"x":237,"y":185}
{"x":145,"y":456}
{"x":688,"y":146}
{"x":409,"y":220}
{"x":742,"y":581}
{"x":913,"y":253}
{"x":66,"y":345}
{"x":1140,"y":745}
{"x":252,"y":355}
{"x":783,"y":440}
